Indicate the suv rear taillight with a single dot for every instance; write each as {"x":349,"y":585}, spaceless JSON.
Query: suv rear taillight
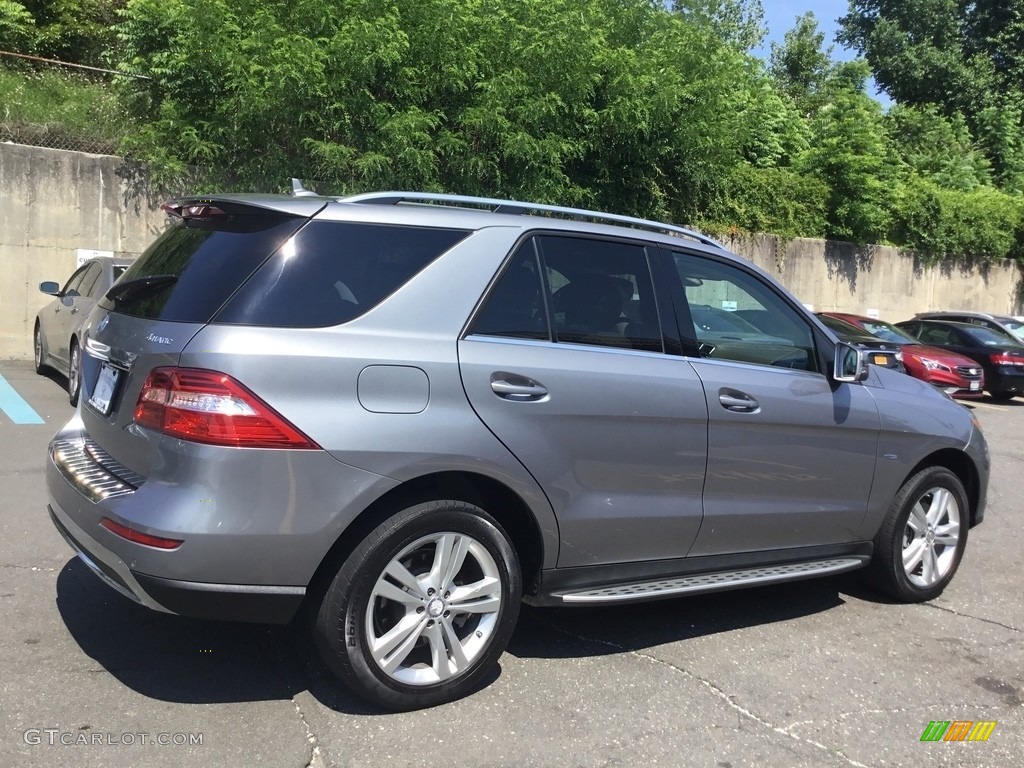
{"x":211,"y":407}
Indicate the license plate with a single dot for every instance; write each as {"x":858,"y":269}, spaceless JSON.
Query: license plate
{"x":106,"y":385}
{"x":975,"y":386}
{"x":881,"y":360}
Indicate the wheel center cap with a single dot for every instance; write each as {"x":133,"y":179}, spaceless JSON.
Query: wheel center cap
{"x":435,"y":607}
{"x":930,"y":536}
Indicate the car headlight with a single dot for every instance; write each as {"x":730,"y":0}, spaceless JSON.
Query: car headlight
{"x":934,"y":365}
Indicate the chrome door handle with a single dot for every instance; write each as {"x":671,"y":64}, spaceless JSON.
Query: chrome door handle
{"x":738,"y":402}
{"x":522,"y":389}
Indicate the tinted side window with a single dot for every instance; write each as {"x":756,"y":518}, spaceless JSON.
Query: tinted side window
{"x":89,"y":280}
{"x":73,"y":286}
{"x":735,"y":316}
{"x":601,"y":293}
{"x":332,"y":272}
{"x":515,"y":307}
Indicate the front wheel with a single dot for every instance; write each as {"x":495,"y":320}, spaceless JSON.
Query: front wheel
{"x":423,"y":607}
{"x":74,"y":372}
{"x":922,"y":539}
{"x":38,"y":352}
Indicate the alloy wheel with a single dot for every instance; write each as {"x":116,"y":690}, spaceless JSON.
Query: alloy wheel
{"x":931,"y":536}
{"x":433,"y":609}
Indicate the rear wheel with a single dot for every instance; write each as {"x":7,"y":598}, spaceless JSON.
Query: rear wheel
{"x":74,"y":372}
{"x":922,"y":539}
{"x":38,"y":352}
{"x":420,"y":611}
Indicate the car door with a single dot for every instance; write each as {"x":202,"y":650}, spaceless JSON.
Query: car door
{"x":791,"y":453}
{"x":93,"y":287}
{"x":57,"y":329}
{"x":564,"y":363}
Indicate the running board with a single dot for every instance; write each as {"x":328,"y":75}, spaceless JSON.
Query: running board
{"x":710,"y":582}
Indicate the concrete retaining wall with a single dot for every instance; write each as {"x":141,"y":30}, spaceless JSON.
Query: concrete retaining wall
{"x":53,"y":203}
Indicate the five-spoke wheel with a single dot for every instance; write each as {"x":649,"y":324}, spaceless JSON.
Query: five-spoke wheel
{"x":421,"y":609}
{"x":921,"y":541}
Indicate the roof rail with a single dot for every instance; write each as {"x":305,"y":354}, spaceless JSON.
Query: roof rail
{"x":518,"y":207}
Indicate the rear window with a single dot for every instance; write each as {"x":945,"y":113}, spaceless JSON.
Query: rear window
{"x":205,"y":262}
{"x":331,"y":272}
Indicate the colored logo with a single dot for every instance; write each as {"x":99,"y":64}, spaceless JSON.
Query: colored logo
{"x":958,"y":730}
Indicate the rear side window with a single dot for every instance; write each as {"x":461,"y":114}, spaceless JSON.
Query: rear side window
{"x":331,"y":272}
{"x":596,"y":292}
{"x":188,"y":273}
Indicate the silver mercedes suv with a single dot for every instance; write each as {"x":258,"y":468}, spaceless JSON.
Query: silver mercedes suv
{"x":408,"y":413}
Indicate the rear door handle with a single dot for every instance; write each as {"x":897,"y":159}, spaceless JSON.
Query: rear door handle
{"x":517,"y":388}
{"x":739,"y":402}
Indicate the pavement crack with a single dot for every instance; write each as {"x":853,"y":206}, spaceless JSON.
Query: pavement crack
{"x":728,"y":699}
{"x":955,"y":612}
{"x":315,"y":758}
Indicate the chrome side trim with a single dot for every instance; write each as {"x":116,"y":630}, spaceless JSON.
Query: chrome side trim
{"x":94,"y":472}
{"x":709,"y":582}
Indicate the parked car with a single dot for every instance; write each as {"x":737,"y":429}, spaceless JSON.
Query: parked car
{"x":409,"y":412}
{"x":887,"y":354}
{"x":1002,"y":360}
{"x":1008,"y":325}
{"x":57,"y":336}
{"x":954,"y":374}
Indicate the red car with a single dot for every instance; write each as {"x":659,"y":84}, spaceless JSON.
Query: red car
{"x":957,"y":375}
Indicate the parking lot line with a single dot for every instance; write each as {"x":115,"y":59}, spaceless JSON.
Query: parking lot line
{"x":14,"y":405}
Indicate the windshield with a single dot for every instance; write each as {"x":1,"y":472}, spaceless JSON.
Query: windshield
{"x":1014,"y":326}
{"x":888,"y":332}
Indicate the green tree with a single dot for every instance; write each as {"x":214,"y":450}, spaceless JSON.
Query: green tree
{"x":850,"y":153}
{"x":936,"y":147}
{"x":740,"y":23}
{"x":967,"y":58}
{"x":77,"y":31}
{"x":616,"y":103}
{"x":802,"y":65}
{"x":17,"y":27}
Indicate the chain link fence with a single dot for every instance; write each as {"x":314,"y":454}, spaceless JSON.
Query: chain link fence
{"x":47,"y":103}
{"x":55,"y":137}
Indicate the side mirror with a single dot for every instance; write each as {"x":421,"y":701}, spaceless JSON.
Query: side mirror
{"x":850,"y":364}
{"x":50,"y":287}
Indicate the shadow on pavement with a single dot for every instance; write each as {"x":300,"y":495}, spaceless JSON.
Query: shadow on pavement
{"x":579,"y":632}
{"x":177,"y":659}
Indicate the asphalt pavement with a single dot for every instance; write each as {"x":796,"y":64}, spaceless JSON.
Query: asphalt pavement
{"x":819,"y":673}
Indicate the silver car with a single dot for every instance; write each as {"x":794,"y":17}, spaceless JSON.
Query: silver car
{"x":57,"y":335}
{"x":408,"y":413}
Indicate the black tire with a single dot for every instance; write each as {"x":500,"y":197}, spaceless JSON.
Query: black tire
{"x":913,"y":583}
{"x":1003,"y":396}
{"x":74,"y":372}
{"x":354,"y":618}
{"x":38,"y":350}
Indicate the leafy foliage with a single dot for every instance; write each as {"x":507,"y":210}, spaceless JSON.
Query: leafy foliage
{"x":602,"y":102}
{"x":17,"y":27}
{"x":638,"y":106}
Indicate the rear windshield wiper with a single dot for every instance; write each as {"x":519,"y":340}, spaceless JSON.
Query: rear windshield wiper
{"x":140,"y":285}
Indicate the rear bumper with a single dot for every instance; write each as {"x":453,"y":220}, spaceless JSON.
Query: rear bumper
{"x":229,"y":602}
{"x":253,"y":526}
